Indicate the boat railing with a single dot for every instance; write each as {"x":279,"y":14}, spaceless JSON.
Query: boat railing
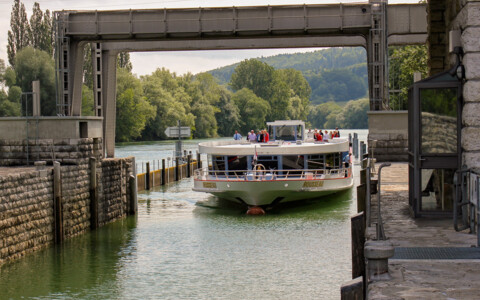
{"x":262,"y":174}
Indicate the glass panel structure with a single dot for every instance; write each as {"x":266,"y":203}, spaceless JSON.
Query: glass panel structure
{"x":438,"y":120}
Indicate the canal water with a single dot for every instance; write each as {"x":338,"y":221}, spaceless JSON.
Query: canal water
{"x":188,"y":245}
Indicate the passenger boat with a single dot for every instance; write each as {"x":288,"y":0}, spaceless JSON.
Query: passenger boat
{"x":290,"y":167}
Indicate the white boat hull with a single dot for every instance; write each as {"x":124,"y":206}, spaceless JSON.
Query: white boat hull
{"x":267,"y":192}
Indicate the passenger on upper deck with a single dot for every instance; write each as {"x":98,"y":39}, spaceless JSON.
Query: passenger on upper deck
{"x":266,"y":136}
{"x":337,"y":132}
{"x":318,"y":136}
{"x":260,"y":136}
{"x":237,"y":136}
{"x":252,"y":137}
{"x":311,"y":134}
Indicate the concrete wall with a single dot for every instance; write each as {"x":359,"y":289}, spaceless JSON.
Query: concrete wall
{"x":27,"y":216}
{"x":388,"y":135}
{"x":15,"y":128}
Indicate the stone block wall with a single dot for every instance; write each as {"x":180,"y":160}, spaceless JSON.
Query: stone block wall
{"x":388,"y":135}
{"x":27,"y":212}
{"x":65,"y":151}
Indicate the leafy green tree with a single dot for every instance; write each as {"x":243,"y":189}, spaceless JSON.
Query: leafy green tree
{"x":19,"y":33}
{"x":205,"y":122}
{"x":253,"y":109}
{"x":33,"y":64}
{"x":87,"y":101}
{"x":228,"y":116}
{"x":7,"y":107}
{"x":133,"y":111}
{"x":168,"y":96}
{"x":123,"y":61}
{"x":40,"y":35}
{"x":318,"y":114}
{"x":355,"y":114}
{"x":404,"y":62}
{"x":254,"y":75}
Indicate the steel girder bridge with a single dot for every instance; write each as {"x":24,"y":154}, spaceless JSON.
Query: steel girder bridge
{"x":373,"y":25}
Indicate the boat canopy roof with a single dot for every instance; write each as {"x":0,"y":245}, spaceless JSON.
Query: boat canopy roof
{"x":286,"y":123}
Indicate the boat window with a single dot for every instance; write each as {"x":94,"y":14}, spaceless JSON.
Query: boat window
{"x":268,"y":161}
{"x":293,"y":162}
{"x":332,"y":161}
{"x":218,"y":162}
{"x":286,"y":133}
{"x":237,"y":163}
{"x":316,"y":161}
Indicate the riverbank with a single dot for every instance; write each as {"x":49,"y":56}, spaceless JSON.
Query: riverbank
{"x":431,"y":278}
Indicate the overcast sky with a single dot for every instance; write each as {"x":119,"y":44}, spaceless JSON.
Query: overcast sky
{"x":179,"y":62}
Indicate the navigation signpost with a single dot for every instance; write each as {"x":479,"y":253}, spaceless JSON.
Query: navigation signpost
{"x":178,"y":131}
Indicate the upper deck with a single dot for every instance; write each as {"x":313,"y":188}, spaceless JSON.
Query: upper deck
{"x":232,"y":147}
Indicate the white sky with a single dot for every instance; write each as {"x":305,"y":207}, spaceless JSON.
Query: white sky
{"x":179,"y":62}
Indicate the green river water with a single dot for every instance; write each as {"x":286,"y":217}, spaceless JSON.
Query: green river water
{"x":188,"y":245}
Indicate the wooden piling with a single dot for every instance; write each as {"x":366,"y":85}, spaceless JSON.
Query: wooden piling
{"x":361,"y":197}
{"x":189,"y":165}
{"x":93,"y":193}
{"x":57,"y":203}
{"x":163,"y":171}
{"x":147,"y":177}
{"x":133,"y":195}
{"x":199,"y":163}
{"x":358,"y":241}
{"x":176,"y":169}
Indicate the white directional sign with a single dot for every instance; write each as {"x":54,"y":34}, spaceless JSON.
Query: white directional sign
{"x":173,"y":131}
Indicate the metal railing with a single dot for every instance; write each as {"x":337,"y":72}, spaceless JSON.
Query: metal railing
{"x":262,"y":174}
{"x":466,"y":213}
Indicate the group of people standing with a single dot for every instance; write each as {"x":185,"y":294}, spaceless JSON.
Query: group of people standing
{"x":261,"y":137}
{"x":318,"y":135}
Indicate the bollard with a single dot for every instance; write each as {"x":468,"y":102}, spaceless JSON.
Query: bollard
{"x":189,"y":160}
{"x":133,"y":195}
{"x":58,"y":208}
{"x":163,"y":171}
{"x":355,"y":145}
{"x":176,"y":169}
{"x":377,"y":254}
{"x":147,"y":177}
{"x":93,"y":193}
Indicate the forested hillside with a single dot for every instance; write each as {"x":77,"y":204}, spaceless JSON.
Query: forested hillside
{"x":335,"y":74}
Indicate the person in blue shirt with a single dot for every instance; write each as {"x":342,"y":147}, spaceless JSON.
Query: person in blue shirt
{"x":237,"y":136}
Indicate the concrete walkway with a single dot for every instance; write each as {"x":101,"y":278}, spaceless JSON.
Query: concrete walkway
{"x":421,"y":279}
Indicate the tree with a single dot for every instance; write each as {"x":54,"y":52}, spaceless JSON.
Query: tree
{"x":133,"y":111}
{"x":254,"y":75}
{"x":18,"y":36}
{"x":123,"y":61}
{"x":253,"y":110}
{"x":228,"y":116}
{"x":318,"y":114}
{"x":33,"y":64}
{"x":9,"y":103}
{"x":404,"y":62}
{"x":87,"y":101}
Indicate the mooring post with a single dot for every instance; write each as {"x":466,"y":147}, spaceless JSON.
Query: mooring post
{"x":189,"y":160}
{"x":57,"y":194}
{"x":147,"y":177}
{"x":133,"y":195}
{"x":163,"y":171}
{"x":358,"y":240}
{"x":176,"y":168}
{"x":199,"y":163}
{"x":93,"y":193}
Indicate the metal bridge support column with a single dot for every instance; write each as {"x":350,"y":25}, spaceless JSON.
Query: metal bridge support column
{"x":76,"y":77}
{"x":377,"y":56}
{"x":109,"y":83}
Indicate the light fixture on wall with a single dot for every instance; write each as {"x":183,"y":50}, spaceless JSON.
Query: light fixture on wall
{"x":459,"y":69}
